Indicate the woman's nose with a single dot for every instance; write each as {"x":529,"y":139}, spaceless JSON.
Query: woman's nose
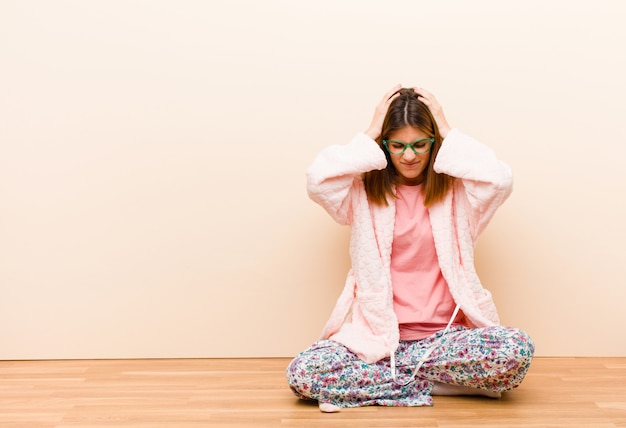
{"x":409,"y":154}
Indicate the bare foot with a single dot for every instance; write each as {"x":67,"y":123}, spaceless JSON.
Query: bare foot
{"x":329,"y":408}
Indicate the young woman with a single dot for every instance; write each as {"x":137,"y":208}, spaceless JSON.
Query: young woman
{"x":413,"y":319}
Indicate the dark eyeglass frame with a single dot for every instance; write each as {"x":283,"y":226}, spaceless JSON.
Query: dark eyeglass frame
{"x":411,"y":145}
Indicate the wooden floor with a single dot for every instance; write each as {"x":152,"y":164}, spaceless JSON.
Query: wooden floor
{"x":558,"y":392}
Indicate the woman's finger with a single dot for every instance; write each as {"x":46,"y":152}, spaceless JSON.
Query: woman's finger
{"x":423,"y":92}
{"x":390,"y":94}
{"x":425,"y":96}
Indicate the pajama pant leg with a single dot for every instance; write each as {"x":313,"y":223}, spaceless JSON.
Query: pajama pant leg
{"x":330,"y":373}
{"x":492,"y":358}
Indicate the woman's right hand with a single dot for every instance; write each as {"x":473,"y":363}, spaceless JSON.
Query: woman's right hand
{"x":376,"y":126}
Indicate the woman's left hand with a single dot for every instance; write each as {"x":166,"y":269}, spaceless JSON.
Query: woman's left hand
{"x":435,"y":108}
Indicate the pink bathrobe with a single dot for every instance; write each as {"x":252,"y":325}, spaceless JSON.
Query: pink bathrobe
{"x":364,"y":319}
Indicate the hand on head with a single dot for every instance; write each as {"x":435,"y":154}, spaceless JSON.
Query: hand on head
{"x":375,"y":128}
{"x":381,"y":111}
{"x":435,"y":108}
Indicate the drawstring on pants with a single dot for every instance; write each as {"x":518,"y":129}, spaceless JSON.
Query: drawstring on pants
{"x":426,"y":354}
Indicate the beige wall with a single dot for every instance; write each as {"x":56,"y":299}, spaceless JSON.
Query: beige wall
{"x":152,"y":158}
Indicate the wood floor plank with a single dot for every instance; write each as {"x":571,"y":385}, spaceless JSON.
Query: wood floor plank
{"x":180,"y":393}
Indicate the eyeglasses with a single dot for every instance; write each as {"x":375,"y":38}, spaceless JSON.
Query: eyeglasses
{"x":419,"y":147}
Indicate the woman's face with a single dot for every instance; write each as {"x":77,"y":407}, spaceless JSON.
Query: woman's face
{"x":411,"y":167}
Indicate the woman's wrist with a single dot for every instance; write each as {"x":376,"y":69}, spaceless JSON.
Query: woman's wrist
{"x":373,"y":134}
{"x":444,"y":131}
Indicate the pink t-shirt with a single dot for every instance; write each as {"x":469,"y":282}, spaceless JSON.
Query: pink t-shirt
{"x":421,"y":298}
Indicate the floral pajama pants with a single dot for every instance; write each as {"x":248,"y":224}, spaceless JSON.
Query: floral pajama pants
{"x":490,"y":358}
